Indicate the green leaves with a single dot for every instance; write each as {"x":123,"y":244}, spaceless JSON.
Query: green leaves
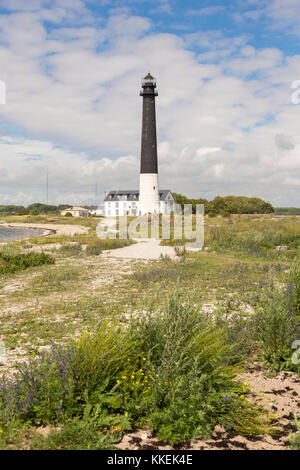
{"x":12,"y":263}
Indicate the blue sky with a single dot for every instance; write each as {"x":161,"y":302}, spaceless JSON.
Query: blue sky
{"x":226,"y":123}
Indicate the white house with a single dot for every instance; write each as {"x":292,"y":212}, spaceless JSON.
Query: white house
{"x":98,"y":210}
{"x":127,"y":203}
{"x":76,"y":211}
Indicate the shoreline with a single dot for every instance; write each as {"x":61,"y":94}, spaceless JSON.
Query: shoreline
{"x":49,"y":229}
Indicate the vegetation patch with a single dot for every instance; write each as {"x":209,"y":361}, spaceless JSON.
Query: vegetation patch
{"x":10,"y":263}
{"x":171,"y":370}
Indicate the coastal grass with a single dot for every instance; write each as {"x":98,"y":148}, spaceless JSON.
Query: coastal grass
{"x":228,"y":287}
{"x":155,"y":371}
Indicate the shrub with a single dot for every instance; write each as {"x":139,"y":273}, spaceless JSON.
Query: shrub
{"x":41,"y":391}
{"x":71,"y":249}
{"x":276,"y":325}
{"x":97,"y":246}
{"x":10,"y":263}
{"x":170,"y":369}
{"x":293,"y":288}
{"x":238,"y":327}
{"x":193,"y":377}
{"x":101,"y":356}
{"x":76,"y":435}
{"x":294,"y":438}
{"x":94,"y":248}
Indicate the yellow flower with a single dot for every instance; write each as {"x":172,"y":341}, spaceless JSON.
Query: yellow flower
{"x":132,"y":376}
{"x":1,"y":430}
{"x":144,"y":359}
{"x":124,"y":377}
{"x":118,"y":381}
{"x":241,"y":396}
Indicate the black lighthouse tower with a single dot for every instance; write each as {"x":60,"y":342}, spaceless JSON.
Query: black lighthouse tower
{"x":149,"y":195}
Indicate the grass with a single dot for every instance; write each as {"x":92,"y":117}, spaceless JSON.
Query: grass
{"x":82,"y":291}
{"x":154,"y":371}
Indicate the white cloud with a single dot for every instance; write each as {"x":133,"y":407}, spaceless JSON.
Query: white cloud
{"x":74,"y":93}
{"x":207,"y":11}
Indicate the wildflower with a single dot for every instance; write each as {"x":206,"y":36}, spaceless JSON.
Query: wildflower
{"x":241,"y":396}
{"x":118,"y":381}
{"x":124,"y":377}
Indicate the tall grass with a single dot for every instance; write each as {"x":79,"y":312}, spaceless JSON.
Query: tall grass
{"x":171,"y":370}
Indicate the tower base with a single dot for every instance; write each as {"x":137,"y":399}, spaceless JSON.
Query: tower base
{"x":149,"y":195}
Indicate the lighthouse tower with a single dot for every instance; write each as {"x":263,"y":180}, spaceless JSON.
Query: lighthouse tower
{"x":149,"y":195}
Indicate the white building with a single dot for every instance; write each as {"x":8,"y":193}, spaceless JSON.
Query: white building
{"x":76,"y":211}
{"x":99,"y":210}
{"x":127,"y":203}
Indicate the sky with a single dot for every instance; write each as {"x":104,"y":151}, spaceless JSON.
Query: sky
{"x":228,"y":112}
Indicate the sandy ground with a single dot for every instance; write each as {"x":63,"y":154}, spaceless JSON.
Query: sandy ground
{"x":59,"y":229}
{"x":144,"y":249}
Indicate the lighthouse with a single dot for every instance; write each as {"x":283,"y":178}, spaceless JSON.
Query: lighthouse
{"x":148,"y":198}
{"x":149,"y":194}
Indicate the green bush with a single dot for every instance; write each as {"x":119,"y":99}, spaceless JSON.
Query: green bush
{"x":76,"y":435}
{"x":97,"y":246}
{"x":73,"y":249}
{"x":193,"y":387}
{"x":10,"y":263}
{"x":94,"y":248}
{"x":294,"y":438}
{"x":42,"y":391}
{"x":101,"y":356}
{"x":276,"y":326}
{"x":238,"y":327}
{"x":170,"y":369}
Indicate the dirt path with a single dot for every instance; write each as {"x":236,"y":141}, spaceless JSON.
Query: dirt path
{"x":147,"y":249}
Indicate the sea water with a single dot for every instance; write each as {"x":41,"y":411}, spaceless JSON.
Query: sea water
{"x":13,"y":234}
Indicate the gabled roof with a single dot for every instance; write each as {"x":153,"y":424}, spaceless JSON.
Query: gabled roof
{"x":132,"y":195}
{"x":74,"y":208}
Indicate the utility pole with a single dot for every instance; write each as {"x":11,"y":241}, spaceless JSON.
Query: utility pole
{"x":96,"y":194}
{"x":47,"y":188}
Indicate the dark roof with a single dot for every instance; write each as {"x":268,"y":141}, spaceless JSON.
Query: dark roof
{"x":132,"y":195}
{"x":148,"y":76}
